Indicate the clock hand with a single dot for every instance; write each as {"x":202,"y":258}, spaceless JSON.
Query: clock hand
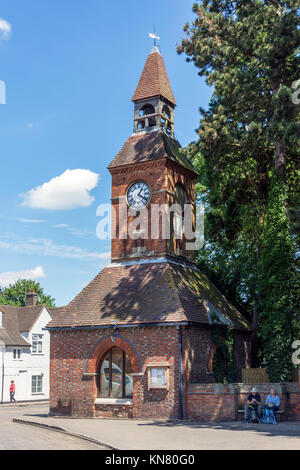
{"x":142,"y":197}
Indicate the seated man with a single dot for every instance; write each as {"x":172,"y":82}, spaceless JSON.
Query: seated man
{"x":253,"y":403}
{"x":272,"y":402}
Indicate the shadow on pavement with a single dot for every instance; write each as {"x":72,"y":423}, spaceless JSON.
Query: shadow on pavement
{"x":37,"y":415}
{"x":287,"y":429}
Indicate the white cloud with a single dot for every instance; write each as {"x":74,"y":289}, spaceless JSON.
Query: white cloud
{"x":32,"y":221}
{"x":46,"y":247}
{"x":79,"y":232}
{"x":5,"y":29}
{"x":12,"y":276}
{"x":67,"y":191}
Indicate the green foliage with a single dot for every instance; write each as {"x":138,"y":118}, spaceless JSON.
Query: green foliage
{"x":15,"y":294}
{"x":249,"y":52}
{"x":223,"y":362}
{"x":278,"y":287}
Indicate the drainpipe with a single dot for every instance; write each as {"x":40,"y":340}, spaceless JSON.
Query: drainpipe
{"x":2,"y":345}
{"x":180,"y":386}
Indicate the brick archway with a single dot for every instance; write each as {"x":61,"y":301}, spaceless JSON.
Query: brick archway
{"x":104,"y":345}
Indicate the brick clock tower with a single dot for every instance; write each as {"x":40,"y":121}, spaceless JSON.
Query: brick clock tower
{"x":150,"y":172}
{"x":138,"y":336}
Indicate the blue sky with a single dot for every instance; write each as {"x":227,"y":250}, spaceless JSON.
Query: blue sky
{"x":70,"y":69}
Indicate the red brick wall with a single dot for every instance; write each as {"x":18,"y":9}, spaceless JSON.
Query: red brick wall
{"x":162,"y":176}
{"x":199,"y":350}
{"x":211,"y":402}
{"x":74,"y":361}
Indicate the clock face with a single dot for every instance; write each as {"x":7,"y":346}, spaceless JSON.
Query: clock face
{"x":138,"y":195}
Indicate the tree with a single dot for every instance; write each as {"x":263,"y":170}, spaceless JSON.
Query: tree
{"x":15,"y":294}
{"x":248,"y":52}
{"x":277,"y":286}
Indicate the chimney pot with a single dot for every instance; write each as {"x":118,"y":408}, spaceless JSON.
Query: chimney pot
{"x":32,"y":298}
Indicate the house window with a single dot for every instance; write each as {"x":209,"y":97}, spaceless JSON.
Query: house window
{"x":114,"y":378}
{"x":37,"y":344}
{"x":37,"y":384}
{"x":17,"y":353}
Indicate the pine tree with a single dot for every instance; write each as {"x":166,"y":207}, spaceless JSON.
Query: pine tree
{"x":248,"y":52}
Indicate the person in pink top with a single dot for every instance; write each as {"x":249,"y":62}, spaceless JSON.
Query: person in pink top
{"x":12,"y":391}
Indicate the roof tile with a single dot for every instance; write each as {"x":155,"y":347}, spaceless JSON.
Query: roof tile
{"x":154,"y":80}
{"x":146,"y":293}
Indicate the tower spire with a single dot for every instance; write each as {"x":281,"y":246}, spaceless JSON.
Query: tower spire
{"x":154,"y":102}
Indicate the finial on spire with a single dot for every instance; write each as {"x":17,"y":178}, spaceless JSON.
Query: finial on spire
{"x":154,"y":37}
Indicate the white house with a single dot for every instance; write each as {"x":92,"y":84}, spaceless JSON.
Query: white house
{"x":25,"y":350}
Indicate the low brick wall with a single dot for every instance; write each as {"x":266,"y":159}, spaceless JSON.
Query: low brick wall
{"x":211,"y":402}
{"x":218,"y":402}
{"x":113,"y":411}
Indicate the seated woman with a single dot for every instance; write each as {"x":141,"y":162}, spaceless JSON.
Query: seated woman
{"x":272,"y":401}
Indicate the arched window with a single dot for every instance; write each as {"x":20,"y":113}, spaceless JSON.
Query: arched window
{"x":147,"y":109}
{"x":114,"y":377}
{"x":166,"y":118}
{"x":166,"y":112}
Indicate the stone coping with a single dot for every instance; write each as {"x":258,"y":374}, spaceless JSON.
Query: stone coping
{"x":237,"y":388}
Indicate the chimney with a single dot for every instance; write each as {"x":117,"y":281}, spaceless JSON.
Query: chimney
{"x":31,"y":298}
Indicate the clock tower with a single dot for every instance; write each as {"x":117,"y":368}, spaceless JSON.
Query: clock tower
{"x":152,"y":180}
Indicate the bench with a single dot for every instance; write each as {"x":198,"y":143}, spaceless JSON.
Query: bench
{"x":280,"y":415}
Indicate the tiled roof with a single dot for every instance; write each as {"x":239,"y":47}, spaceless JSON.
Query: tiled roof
{"x":150,"y":146}
{"x":154,"y":80}
{"x":147,"y":293}
{"x":55,"y":311}
{"x":16,"y":320}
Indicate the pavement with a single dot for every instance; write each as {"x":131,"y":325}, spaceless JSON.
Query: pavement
{"x":14,"y":436}
{"x":164,"y":435}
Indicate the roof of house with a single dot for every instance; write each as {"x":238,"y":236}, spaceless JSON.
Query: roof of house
{"x":148,"y":147}
{"x":154,"y":80}
{"x":55,"y":311}
{"x":16,"y":320}
{"x":149,"y":293}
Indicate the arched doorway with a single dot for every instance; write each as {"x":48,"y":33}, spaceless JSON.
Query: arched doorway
{"x":114,"y":374}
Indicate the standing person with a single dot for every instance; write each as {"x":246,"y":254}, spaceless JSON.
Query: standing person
{"x":12,"y":391}
{"x":253,"y":401}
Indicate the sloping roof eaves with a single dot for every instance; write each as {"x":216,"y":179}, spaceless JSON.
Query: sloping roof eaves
{"x":146,"y":294}
{"x":150,"y":146}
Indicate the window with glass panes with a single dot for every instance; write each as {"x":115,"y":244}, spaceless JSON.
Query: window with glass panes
{"x":17,"y":354}
{"x":37,"y":344}
{"x":37,"y":384}
{"x":114,"y":378}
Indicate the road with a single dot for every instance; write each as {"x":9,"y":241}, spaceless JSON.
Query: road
{"x":14,"y":436}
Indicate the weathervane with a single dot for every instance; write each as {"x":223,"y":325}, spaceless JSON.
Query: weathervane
{"x":154,"y":37}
